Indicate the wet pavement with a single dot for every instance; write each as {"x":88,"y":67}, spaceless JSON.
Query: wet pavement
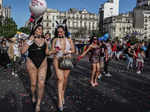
{"x":125,"y":91}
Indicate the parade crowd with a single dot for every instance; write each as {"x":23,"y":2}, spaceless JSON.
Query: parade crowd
{"x":44,"y":55}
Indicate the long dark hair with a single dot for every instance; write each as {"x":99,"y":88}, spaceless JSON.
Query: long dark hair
{"x":92,"y":39}
{"x":63,"y":26}
{"x":36,"y":24}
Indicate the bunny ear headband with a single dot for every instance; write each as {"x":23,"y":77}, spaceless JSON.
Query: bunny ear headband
{"x":61,"y":24}
{"x":35,"y":24}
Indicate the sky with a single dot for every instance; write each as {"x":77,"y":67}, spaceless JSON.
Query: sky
{"x":20,"y":8}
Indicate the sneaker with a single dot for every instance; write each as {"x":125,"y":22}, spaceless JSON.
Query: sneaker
{"x":108,"y":75}
{"x":12,"y":73}
{"x":138,"y":72}
{"x":99,"y":76}
{"x":16,"y":75}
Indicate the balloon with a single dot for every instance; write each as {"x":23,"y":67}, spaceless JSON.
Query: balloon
{"x":101,"y":38}
{"x":106,"y":36}
{"x":37,"y":7}
{"x":105,"y":39}
{"x":144,"y":48}
{"x":69,"y":33}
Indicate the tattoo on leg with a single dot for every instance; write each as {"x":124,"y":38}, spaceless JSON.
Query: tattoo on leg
{"x":41,"y":78}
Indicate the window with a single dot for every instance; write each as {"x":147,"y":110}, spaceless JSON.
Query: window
{"x":52,"y":24}
{"x":145,"y":20}
{"x":47,"y":25}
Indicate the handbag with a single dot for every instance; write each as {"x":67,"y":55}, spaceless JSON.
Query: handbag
{"x":66,"y":63}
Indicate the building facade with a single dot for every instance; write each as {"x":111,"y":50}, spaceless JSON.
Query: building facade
{"x":142,"y":17}
{"x":1,"y":2}
{"x":110,"y":8}
{"x":80,"y":23}
{"x":135,"y":23}
{"x":142,"y":3}
{"x":121,"y":26}
{"x":106,"y":10}
{"x":4,"y":11}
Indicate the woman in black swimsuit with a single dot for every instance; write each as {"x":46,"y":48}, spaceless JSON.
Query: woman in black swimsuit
{"x":37,"y":63}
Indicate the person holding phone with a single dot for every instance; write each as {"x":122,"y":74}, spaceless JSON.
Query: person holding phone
{"x":64,"y":46}
{"x":37,"y":63}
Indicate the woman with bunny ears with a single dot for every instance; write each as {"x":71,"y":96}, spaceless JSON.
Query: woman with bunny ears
{"x":64,"y":46}
{"x":37,"y":63}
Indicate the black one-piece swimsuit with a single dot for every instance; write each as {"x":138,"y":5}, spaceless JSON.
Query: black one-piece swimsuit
{"x":37,"y":54}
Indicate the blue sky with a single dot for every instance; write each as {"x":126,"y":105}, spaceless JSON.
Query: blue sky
{"x":20,"y":8}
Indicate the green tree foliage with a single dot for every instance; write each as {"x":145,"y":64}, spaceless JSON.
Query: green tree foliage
{"x":8,"y":27}
{"x":25,"y":30}
{"x":96,"y":33}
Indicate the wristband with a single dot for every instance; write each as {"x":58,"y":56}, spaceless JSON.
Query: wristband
{"x":29,"y":42}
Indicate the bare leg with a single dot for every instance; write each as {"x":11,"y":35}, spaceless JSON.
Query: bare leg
{"x":32,"y":70}
{"x":60,"y":77}
{"x":41,"y":83}
{"x":97,"y":72}
{"x":66,"y":74}
{"x":93,"y":74}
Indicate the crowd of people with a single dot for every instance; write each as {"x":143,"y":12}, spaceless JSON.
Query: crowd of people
{"x":41,"y":54}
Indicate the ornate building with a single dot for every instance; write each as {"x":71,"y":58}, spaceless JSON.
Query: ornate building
{"x":80,"y":23}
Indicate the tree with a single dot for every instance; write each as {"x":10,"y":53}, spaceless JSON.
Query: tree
{"x":96,"y":33}
{"x":25,"y":30}
{"x":8,"y":28}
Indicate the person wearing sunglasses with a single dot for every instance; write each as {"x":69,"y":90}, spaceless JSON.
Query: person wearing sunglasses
{"x":94,"y":48}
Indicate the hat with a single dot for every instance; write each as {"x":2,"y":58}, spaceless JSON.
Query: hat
{"x":13,"y":39}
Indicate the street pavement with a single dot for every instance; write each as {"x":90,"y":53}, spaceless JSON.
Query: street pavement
{"x":125,"y":91}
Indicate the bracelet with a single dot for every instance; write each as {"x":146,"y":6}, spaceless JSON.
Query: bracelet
{"x":29,"y":42}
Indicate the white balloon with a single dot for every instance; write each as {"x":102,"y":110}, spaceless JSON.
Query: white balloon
{"x":37,"y":7}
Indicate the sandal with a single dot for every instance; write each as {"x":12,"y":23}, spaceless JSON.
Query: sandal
{"x":92,"y":84}
{"x":63,"y":102}
{"x":61,"y":109}
{"x":33,"y":99}
{"x":96,"y":84}
{"x":37,"y":108}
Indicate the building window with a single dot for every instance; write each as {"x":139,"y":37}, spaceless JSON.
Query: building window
{"x":69,"y":23}
{"x":145,"y":20}
{"x":52,"y":24}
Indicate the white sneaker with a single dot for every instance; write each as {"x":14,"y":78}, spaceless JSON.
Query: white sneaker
{"x":99,"y":76}
{"x":16,"y":75}
{"x":138,"y":72}
{"x":12,"y":73}
{"x":108,"y":75}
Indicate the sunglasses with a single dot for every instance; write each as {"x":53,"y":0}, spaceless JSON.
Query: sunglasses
{"x":95,"y":39}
